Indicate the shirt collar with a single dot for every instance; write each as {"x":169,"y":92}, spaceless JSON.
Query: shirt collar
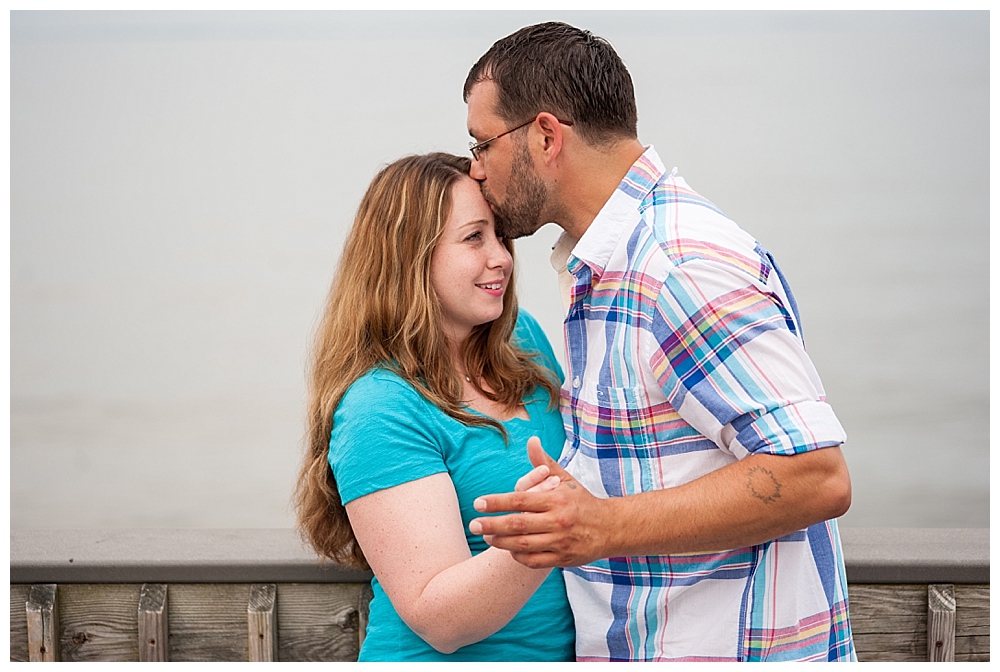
{"x":619,"y":214}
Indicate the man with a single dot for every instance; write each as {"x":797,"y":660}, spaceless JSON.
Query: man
{"x":702,"y":466}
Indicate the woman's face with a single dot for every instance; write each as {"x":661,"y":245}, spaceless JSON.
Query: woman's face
{"x":470,"y":267}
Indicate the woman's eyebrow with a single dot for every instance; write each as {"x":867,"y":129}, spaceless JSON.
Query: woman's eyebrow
{"x":472,"y":223}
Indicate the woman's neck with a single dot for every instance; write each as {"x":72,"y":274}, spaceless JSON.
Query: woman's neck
{"x":456,"y":352}
{"x":472,"y":395}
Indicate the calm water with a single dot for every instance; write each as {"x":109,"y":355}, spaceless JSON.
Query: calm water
{"x":181,"y":185}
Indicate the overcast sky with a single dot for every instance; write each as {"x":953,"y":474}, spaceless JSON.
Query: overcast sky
{"x":181,"y":184}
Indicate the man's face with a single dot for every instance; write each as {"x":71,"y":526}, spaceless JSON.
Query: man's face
{"x":504,"y":169}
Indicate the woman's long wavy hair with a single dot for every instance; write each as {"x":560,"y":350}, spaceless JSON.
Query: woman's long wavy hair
{"x":382,"y":311}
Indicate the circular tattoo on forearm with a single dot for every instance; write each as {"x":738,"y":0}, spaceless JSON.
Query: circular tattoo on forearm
{"x":763,"y":485}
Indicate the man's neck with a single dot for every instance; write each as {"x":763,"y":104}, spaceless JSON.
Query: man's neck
{"x":588,"y":181}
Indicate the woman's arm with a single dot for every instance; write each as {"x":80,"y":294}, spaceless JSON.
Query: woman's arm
{"x":413,"y":538}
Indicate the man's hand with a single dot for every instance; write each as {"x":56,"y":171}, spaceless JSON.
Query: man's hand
{"x":559,"y":527}
{"x":751,"y":501}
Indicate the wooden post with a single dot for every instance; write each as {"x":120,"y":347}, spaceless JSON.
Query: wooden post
{"x":153,"y":623}
{"x":941,"y":622}
{"x":364,"y":608}
{"x":42,"y":611}
{"x":262,"y":623}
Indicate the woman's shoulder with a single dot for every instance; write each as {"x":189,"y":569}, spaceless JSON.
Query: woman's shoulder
{"x":531,"y":338}
{"x":528,"y":333}
{"x":381,"y":385}
{"x":383,"y":435}
{"x":381,"y":406}
{"x":381,"y":401}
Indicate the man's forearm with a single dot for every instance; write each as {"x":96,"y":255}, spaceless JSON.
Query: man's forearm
{"x":757,"y":499}
{"x":760,"y":498}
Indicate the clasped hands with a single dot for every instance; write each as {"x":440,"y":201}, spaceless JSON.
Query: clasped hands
{"x":557,"y":523}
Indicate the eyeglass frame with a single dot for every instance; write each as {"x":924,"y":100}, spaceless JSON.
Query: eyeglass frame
{"x":476,"y":147}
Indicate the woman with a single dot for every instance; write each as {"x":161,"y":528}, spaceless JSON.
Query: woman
{"x":426,"y":385}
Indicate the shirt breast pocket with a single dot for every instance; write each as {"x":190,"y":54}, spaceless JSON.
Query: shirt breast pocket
{"x":619,"y":430}
{"x":624,"y":419}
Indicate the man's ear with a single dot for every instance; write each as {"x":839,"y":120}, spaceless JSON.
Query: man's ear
{"x":551,"y":136}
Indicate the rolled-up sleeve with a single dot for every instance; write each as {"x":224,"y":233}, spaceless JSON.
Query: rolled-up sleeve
{"x":727,"y":356}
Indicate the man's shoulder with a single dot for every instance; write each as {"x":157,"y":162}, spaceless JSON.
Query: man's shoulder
{"x":683,"y":226}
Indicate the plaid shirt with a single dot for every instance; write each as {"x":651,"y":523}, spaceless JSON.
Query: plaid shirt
{"x":685,"y":354}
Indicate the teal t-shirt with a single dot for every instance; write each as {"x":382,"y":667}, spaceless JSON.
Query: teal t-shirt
{"x":385,"y":433}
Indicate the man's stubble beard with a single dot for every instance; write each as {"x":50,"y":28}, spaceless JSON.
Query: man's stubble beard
{"x":521,"y":213}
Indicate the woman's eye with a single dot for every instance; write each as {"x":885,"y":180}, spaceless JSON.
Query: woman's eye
{"x":474,"y":236}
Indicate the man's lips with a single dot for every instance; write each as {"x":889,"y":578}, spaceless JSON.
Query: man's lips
{"x":487,"y":197}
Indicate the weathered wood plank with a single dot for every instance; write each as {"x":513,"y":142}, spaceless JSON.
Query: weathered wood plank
{"x":99,"y":622}
{"x":972,"y":610}
{"x":887,"y":608}
{"x":881,"y":648}
{"x":941,"y":623}
{"x":889,"y":622}
{"x":42,"y":612}
{"x":208,"y":622}
{"x":318,"y":621}
{"x":323,"y":621}
{"x":972,"y":649}
{"x":205,"y":622}
{"x":262,"y":632}
{"x":972,"y":623}
{"x":19,"y":623}
{"x":364,"y":609}
{"x":153,"y":623}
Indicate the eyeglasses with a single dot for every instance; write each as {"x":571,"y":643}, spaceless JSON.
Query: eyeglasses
{"x":477,"y":147}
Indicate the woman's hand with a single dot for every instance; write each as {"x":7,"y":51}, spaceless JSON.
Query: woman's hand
{"x":537,"y":480}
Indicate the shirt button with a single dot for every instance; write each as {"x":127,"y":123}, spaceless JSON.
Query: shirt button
{"x":576,"y":381}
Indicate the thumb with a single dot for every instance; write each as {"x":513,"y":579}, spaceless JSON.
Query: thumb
{"x":538,"y":457}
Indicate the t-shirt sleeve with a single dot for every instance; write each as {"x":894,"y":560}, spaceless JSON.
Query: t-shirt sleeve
{"x":383,"y":435}
{"x":726,"y":359}
{"x":530,"y":337}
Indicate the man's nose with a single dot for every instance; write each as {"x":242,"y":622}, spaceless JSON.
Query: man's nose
{"x":476,"y":170}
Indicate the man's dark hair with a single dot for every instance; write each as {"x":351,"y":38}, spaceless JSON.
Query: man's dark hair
{"x":556,"y":68}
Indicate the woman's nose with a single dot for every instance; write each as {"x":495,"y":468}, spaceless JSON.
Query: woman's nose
{"x":500,"y":257}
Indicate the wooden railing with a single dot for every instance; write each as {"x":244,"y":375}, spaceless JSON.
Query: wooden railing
{"x":88,"y":595}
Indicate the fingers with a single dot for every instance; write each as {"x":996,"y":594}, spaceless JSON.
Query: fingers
{"x":532,"y":478}
{"x":549,"y":484}
{"x":513,"y":501}
{"x":536,"y":453}
{"x":512,"y":524}
{"x":541,"y":478}
{"x":539,"y":560}
{"x":536,"y":551}
{"x":539,"y":457}
{"x":535,"y":559}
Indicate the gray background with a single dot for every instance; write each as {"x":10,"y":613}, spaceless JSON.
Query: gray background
{"x":181,"y":185}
